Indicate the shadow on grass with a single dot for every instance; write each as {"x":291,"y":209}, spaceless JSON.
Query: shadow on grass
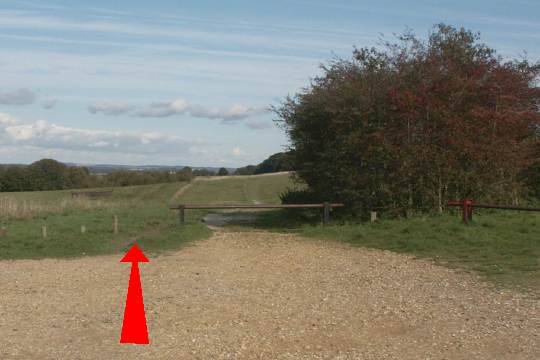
{"x":268,"y":220}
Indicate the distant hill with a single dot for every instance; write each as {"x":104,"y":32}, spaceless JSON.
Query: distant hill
{"x":49,"y":174}
{"x":108,"y":168}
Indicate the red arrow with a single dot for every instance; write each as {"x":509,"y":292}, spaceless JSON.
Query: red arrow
{"x":134,"y":330}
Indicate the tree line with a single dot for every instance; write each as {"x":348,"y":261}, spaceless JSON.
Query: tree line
{"x":415,"y":123}
{"x":274,"y":163}
{"x":48,"y":174}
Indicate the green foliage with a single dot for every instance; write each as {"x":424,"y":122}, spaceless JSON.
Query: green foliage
{"x":48,"y":174}
{"x":246,"y":170}
{"x":223,"y":172}
{"x":416,"y":124}
{"x":533,"y":179}
{"x":203,"y":172}
{"x":300,"y":196}
{"x":14,"y":178}
{"x":77,"y":177}
{"x":45,"y":174}
{"x":531,"y":175}
{"x":275,"y":163}
{"x":131,"y":178}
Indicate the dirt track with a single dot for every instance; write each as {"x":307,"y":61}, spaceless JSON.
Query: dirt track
{"x":263,"y":296}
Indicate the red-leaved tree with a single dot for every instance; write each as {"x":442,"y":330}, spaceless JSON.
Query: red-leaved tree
{"x":416,"y":124}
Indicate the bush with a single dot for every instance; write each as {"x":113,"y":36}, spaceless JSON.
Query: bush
{"x":416,"y":124}
{"x":223,"y":172}
{"x":246,"y":170}
{"x":275,"y":163}
{"x":306,"y":196}
{"x":294,"y":196}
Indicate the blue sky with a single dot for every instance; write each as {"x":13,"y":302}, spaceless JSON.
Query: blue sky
{"x":190,"y":82}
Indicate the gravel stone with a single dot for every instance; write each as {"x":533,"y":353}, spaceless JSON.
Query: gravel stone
{"x":255,"y":295}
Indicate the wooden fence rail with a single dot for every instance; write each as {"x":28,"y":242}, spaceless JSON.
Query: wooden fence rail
{"x":327,"y":207}
{"x":467,"y":207}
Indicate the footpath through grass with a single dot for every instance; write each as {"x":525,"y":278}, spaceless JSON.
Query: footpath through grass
{"x":260,"y":189}
{"x":238,"y":190}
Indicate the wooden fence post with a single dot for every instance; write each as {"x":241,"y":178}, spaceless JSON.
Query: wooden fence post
{"x":182,"y":214}
{"x":464,"y":216}
{"x":326,"y":212}
{"x":44,"y":231}
{"x":466,"y":210}
{"x":373,"y":217}
{"x":115,"y":224}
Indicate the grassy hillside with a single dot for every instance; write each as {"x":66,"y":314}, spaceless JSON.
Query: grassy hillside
{"x":234,"y":190}
{"x":238,"y":189}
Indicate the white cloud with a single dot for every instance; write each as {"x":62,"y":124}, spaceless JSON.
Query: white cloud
{"x":110,"y":108}
{"x":176,"y":107}
{"x":27,"y":141}
{"x":18,"y":97}
{"x":235,"y":112}
{"x":46,"y":135}
{"x":7,"y":120}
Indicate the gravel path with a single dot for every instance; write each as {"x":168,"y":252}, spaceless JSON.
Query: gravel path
{"x":263,"y":296}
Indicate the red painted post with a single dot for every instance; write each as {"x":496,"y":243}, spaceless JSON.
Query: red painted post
{"x":465,"y":210}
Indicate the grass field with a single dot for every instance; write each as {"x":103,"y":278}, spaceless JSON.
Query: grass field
{"x":143,"y":212}
{"x":143,"y":215}
{"x":239,"y":190}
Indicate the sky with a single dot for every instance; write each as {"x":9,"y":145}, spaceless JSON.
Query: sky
{"x":168,"y":82}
